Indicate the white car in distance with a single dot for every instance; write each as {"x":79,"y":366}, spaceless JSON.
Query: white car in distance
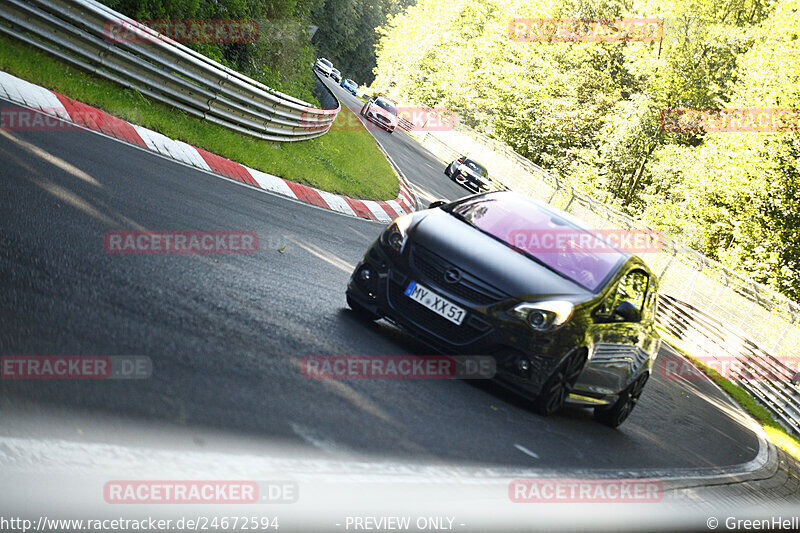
{"x":324,"y":66}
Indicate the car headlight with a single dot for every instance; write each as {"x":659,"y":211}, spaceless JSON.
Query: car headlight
{"x":395,"y":235}
{"x":542,"y":316}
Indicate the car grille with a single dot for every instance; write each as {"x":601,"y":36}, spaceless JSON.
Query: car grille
{"x":470,"y":330}
{"x":469,"y":289}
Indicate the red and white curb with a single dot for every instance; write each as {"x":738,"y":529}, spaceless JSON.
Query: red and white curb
{"x":52,"y":103}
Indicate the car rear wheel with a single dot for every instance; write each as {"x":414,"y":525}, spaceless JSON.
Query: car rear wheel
{"x":361,"y":311}
{"x":557,"y":388}
{"x":621,"y":409}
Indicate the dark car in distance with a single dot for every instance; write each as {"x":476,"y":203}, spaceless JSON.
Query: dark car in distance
{"x":477,"y":276}
{"x":469,"y":174}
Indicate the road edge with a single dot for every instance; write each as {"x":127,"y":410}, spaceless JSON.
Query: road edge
{"x":53,"y":104}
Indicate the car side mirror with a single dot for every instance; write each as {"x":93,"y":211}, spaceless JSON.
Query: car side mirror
{"x":627,"y":311}
{"x":436,"y":203}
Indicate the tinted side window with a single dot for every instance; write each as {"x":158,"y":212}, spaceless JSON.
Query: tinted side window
{"x":632,"y":287}
{"x":650,"y":303}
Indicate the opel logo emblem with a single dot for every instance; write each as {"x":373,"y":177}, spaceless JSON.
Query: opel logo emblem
{"x":452,"y":275}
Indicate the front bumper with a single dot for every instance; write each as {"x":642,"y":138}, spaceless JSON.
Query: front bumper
{"x":470,"y":183}
{"x":486,"y":330}
{"x":380,"y":121}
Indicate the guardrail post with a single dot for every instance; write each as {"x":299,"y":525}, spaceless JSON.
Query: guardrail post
{"x":721,"y":291}
{"x":754,"y":303}
{"x":552,"y":196}
{"x":782,"y":335}
{"x":571,"y":199}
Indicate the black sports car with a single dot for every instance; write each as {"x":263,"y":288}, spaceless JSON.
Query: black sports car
{"x":565,"y":319}
{"x":469,"y":174}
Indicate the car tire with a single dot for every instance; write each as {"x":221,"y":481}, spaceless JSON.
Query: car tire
{"x":558,"y":386}
{"x":363,"y":111}
{"x":448,"y":171}
{"x":360,"y":311}
{"x":621,"y":409}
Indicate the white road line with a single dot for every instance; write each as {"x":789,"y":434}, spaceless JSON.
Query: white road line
{"x":526,"y":451}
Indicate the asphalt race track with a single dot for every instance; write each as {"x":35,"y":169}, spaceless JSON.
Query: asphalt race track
{"x":226,"y":332}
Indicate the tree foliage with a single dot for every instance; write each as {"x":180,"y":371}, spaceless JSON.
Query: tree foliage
{"x":280,"y":58}
{"x":347,"y":33}
{"x":591,"y":111}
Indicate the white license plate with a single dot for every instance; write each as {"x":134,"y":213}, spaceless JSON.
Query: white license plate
{"x":435,"y":303}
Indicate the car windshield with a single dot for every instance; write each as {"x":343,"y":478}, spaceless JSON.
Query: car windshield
{"x":387,"y":105}
{"x":326,"y":62}
{"x":469,"y":163}
{"x":548,"y":238}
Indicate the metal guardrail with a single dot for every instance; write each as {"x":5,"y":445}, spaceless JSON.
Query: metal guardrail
{"x":764,"y":319}
{"x":736,"y":357}
{"x":77,"y":31}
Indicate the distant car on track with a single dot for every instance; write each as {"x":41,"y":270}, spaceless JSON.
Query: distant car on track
{"x":336,"y":75}
{"x":469,"y":174}
{"x":324,"y":66}
{"x":349,"y":85}
{"x":382,"y":111}
{"x":570,"y":324}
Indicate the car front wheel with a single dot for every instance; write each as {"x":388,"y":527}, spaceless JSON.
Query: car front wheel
{"x":621,"y":409}
{"x":556,"y":389}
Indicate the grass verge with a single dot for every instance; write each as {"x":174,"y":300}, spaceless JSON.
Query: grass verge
{"x":775,"y":432}
{"x":346,"y":160}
